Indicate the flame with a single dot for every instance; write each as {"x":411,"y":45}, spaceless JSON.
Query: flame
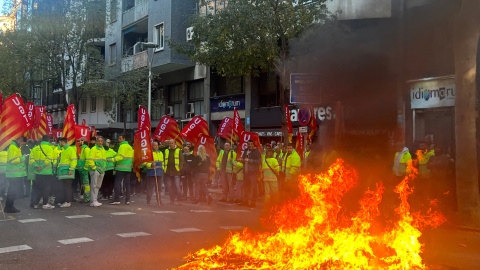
{"x":315,"y":232}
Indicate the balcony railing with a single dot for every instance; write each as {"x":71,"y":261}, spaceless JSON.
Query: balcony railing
{"x":135,"y":61}
{"x":139,"y":11}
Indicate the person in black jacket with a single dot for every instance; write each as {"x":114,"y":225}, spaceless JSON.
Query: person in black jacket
{"x":251,"y":160}
{"x":186,"y":176}
{"x":201,"y":170}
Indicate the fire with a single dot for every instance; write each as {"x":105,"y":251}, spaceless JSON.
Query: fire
{"x":315,"y":232}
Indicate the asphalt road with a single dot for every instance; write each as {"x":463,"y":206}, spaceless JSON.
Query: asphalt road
{"x":133,"y":236}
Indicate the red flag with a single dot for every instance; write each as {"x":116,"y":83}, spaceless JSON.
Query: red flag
{"x":69,"y":126}
{"x":243,"y":143}
{"x":1,"y":102}
{"x":143,"y":119}
{"x":84,"y":122}
{"x":237,"y":127}
{"x":94,"y":132}
{"x":195,"y":127}
{"x":209,"y":143}
{"x":143,"y":150}
{"x":289,"y":123}
{"x":300,"y":145}
{"x":49,"y":125}
{"x":57,"y":133}
{"x":226,"y":129}
{"x":15,"y":120}
{"x":30,"y":110}
{"x":313,"y":128}
{"x":39,"y":123}
{"x":167,"y":129}
{"x":81,"y":131}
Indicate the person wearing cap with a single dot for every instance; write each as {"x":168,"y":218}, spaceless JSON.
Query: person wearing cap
{"x":97,"y":162}
{"x":66,"y":170}
{"x":83,"y":169}
{"x":93,"y":141}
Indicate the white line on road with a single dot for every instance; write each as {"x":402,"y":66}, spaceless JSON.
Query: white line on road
{"x":182,"y":230}
{"x":202,"y":211}
{"x":122,"y":213}
{"x":14,"y":248}
{"x":239,"y":211}
{"x":75,"y":240}
{"x":232,"y":227}
{"x":78,"y":216}
{"x":164,"y":212}
{"x":31,"y":220}
{"x":133,"y":234}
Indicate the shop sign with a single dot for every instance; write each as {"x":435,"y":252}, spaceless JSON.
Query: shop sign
{"x":303,"y":88}
{"x":227,"y":103}
{"x":432,"y":93}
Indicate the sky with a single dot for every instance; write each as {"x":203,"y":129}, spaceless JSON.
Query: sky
{"x":1,"y":6}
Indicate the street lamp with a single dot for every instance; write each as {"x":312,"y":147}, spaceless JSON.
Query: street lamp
{"x":149,"y":45}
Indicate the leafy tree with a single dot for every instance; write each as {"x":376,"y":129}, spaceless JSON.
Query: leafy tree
{"x":250,"y":36}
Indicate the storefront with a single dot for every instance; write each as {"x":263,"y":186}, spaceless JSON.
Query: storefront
{"x":223,"y":106}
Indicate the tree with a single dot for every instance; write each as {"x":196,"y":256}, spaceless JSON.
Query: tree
{"x":250,"y":36}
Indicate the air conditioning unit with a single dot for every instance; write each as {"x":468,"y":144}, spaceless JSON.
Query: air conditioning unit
{"x":138,"y":47}
{"x":189,"y":33}
{"x":190,"y":108}
{"x":170,"y":111}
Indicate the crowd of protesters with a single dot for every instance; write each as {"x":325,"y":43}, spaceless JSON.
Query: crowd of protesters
{"x":55,"y":174}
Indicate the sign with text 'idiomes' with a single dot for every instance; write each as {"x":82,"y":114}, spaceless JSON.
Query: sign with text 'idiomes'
{"x":227,"y":103}
{"x":304,"y":88}
{"x":432,"y":93}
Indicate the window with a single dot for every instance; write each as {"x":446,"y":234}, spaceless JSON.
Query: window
{"x":175,"y":99}
{"x":93,"y":104}
{"x":211,"y":7}
{"x":159,"y":36}
{"x":195,"y":96}
{"x":83,"y":105}
{"x":269,"y":90}
{"x":113,"y":54}
{"x":113,"y":10}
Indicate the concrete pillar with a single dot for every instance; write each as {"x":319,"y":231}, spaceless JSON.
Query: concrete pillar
{"x":466,"y":37}
{"x":248,"y":101}
{"x":206,"y":97}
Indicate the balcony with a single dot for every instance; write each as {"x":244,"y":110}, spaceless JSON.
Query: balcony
{"x":135,"y":61}
{"x":136,"y":13}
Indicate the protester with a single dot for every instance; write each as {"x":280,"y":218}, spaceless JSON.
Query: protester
{"x":66,"y":170}
{"x":225,"y":166}
{"x":201,"y":169}
{"x":270,"y":170}
{"x":83,"y":169}
{"x":15,"y":172}
{"x":154,"y":173}
{"x":251,"y":160}
{"x":174,"y":162}
{"x":97,"y":163}
{"x":238,"y":174}
{"x":109,"y":178}
{"x":186,"y":176}
{"x":123,"y":169}
{"x":25,"y":149}
{"x":442,"y":187}
{"x":3,"y":179}
{"x":291,"y":169}
{"x":44,"y":161}
{"x":400,"y":161}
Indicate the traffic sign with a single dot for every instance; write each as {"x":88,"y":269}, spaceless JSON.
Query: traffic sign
{"x":304,"y":115}
{"x":303,"y":129}
{"x":304,"y":88}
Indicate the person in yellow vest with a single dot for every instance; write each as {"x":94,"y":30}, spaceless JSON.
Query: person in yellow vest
{"x":83,"y":169}
{"x":123,"y":169}
{"x":97,"y":163}
{"x":400,"y":161}
{"x":238,"y":171}
{"x":423,"y":158}
{"x":173,"y":165}
{"x":154,"y":173}
{"x":270,"y":170}
{"x":109,"y":179}
{"x":44,"y":161}
{"x":15,"y":172}
{"x":291,"y":169}
{"x":57,"y":186}
{"x":225,"y":165}
{"x":3,"y":167}
{"x":66,"y":170}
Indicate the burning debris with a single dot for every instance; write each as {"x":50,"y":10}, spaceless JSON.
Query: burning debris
{"x":314,"y":232}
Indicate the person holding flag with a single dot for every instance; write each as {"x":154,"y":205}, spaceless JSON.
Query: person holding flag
{"x":83,"y":169}
{"x":123,"y":169}
{"x":44,"y":161}
{"x":174,"y":162}
{"x":66,"y":169}
{"x":16,"y":171}
{"x":97,"y":162}
{"x":154,"y":170}
{"x":225,"y":166}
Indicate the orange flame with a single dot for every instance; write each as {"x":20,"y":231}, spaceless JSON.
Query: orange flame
{"x":314,"y":232}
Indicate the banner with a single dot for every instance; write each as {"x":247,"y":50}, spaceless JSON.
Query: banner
{"x":39,"y":123}
{"x":300,"y":144}
{"x":57,"y":133}
{"x":226,"y":129}
{"x":237,"y":127}
{"x":143,"y":119}
{"x":209,"y":144}
{"x":30,"y":110}
{"x":81,"y":131}
{"x":167,"y":129}
{"x":243,"y":143}
{"x":289,"y":123}
{"x":15,"y":121}
{"x":195,"y":127}
{"x":143,"y":150}
{"x":69,"y":126}
{"x":49,"y":125}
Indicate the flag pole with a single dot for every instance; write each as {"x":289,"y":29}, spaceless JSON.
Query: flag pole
{"x":1,"y":206}
{"x":156,"y":185}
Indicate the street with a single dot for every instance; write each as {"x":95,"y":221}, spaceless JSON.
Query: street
{"x":133,"y":236}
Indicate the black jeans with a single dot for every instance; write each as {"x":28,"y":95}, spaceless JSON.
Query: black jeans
{"x":107,"y":184}
{"x":250,"y":186}
{"x":67,"y":190}
{"x":119,"y":177}
{"x":15,"y":189}
{"x":46,"y":182}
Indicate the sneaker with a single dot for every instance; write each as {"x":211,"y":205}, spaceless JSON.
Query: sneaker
{"x":48,"y":206}
{"x":65,"y":204}
{"x":95,"y":204}
{"x":127,"y":202}
{"x":11,"y":210}
{"x":114,"y":203}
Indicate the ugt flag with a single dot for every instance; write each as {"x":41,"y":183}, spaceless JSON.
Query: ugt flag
{"x":15,"y":121}
{"x":209,"y":144}
{"x":143,"y":150}
{"x":195,"y":127}
{"x":69,"y":127}
{"x":81,"y":131}
{"x":49,"y":125}
{"x":167,"y":129}
{"x":243,"y":144}
{"x":143,"y":119}
{"x":237,"y":127}
{"x":226,"y":129}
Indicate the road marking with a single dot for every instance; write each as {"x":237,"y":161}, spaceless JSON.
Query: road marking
{"x":239,"y":211}
{"x":202,"y":211}
{"x":122,"y":213}
{"x":14,"y":248}
{"x":164,"y":212}
{"x":182,"y":230}
{"x":78,"y":216}
{"x":8,"y":218}
{"x":31,"y":220}
{"x":232,"y":227}
{"x":75,"y":240}
{"x":133,"y":234}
